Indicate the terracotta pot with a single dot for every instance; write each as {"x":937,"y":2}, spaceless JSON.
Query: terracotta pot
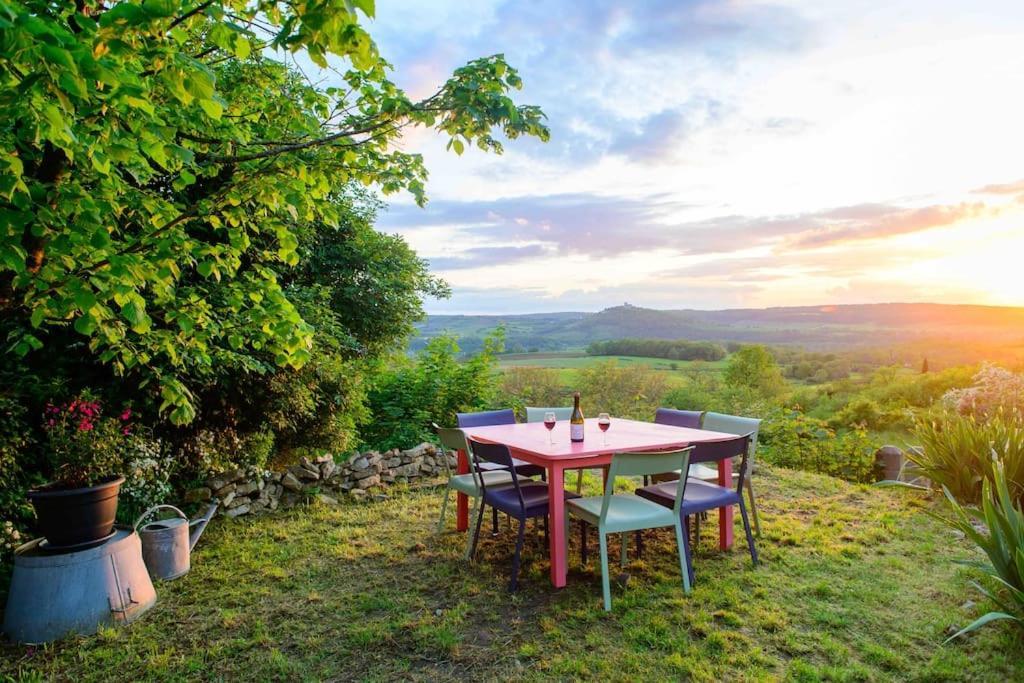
{"x":72,"y":517}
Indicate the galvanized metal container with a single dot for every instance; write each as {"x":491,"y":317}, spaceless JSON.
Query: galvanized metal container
{"x":167,"y":543}
{"x":55,"y":595}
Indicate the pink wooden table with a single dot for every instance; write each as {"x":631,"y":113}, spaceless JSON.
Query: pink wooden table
{"x":529,"y":442}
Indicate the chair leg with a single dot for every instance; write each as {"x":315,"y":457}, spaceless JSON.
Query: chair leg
{"x":753,"y":508}
{"x":444,"y":509}
{"x":583,"y":543}
{"x":686,"y":550}
{"x":547,"y":540}
{"x":639,"y":544}
{"x":579,"y":482}
{"x":514,"y":582}
{"x":684,"y":556}
{"x":622,"y":550}
{"x":746,"y":529}
{"x":476,"y":533}
{"x":494,"y":522}
{"x":696,"y":530}
{"x":606,"y":588}
{"x":471,"y":538}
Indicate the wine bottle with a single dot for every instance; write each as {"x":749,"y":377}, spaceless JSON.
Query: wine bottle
{"x":576,"y":421}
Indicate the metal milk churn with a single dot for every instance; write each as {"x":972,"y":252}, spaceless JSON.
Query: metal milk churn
{"x":167,"y":543}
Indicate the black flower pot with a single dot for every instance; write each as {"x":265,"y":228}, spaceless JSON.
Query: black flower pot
{"x":75,"y":517}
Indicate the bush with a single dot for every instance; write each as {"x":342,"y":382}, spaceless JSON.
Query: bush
{"x":632,"y":391}
{"x":754,"y":367}
{"x":412,"y":394}
{"x":789,"y":438}
{"x":1003,"y":543}
{"x":529,"y":386}
{"x":148,"y":476}
{"x":994,"y":389}
{"x":956,"y":452}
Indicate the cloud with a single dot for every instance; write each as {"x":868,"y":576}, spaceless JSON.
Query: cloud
{"x":658,"y":136}
{"x":1002,"y":188}
{"x":600,"y":226}
{"x":873,"y":221}
{"x":477,"y":257}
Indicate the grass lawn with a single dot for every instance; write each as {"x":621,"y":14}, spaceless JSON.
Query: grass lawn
{"x":856,"y":584}
{"x":567,"y":363}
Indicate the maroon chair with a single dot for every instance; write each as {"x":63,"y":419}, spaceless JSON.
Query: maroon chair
{"x":523,"y":500}
{"x":701,"y":496}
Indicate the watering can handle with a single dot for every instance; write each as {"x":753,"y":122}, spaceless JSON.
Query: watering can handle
{"x":154,"y":509}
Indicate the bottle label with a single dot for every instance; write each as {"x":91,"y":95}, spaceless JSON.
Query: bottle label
{"x":576,"y":432}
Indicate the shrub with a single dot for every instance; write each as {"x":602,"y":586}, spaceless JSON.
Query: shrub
{"x":412,"y":394}
{"x":1003,"y":543}
{"x":754,"y":367}
{"x":789,"y":438}
{"x":530,"y":386}
{"x":633,"y":391}
{"x":995,"y":389}
{"x":955,"y":452}
{"x":147,"y":475}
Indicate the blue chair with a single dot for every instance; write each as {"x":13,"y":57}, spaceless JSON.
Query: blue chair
{"x":523,"y":500}
{"x":733,"y":424}
{"x":700,"y":496}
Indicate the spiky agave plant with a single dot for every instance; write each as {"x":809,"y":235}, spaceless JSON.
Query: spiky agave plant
{"x":1003,"y":544}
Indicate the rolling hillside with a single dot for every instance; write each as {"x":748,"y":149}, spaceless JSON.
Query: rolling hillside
{"x":812,"y":327}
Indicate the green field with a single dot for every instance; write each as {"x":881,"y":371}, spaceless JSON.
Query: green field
{"x":569,"y":362}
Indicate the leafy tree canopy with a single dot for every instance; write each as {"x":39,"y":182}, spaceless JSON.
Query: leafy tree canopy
{"x":151,"y":149}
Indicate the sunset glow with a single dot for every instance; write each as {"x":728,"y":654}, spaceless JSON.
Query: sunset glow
{"x":725,"y":153}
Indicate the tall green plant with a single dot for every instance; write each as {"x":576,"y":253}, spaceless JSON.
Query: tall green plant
{"x":954,"y":453}
{"x":1003,"y":543}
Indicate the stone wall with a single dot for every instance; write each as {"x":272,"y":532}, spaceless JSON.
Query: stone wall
{"x":246,"y":492}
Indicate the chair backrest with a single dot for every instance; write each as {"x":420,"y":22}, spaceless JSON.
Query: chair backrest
{"x":716,"y":451}
{"x":678,"y":418}
{"x":537,"y":414}
{"x":647,"y":463}
{"x":734,"y":424}
{"x":486,"y":418}
{"x":496,"y":453}
{"x":452,"y":440}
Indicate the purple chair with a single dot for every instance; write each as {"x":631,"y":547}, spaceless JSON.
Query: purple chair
{"x":523,"y":500}
{"x":678,"y":418}
{"x":701,"y":496}
{"x":506,"y":416}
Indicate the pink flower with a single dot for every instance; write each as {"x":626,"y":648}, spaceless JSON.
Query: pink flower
{"x":126,"y":414}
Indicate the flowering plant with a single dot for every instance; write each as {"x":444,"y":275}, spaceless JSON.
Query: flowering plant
{"x":85,"y":446}
{"x":10,"y":538}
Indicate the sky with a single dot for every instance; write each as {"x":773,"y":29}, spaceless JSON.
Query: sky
{"x":722,"y":153}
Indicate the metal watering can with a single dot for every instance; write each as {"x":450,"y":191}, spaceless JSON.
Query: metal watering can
{"x":167,"y":543}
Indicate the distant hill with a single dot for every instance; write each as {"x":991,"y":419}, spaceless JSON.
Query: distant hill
{"x":812,"y":327}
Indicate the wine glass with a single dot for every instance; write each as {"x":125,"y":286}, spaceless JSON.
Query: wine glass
{"x":604,"y":421}
{"x":549,"y":422}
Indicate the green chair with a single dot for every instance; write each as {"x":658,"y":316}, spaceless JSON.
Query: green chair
{"x":537,"y":415}
{"x":453,"y":440}
{"x":625,"y":512}
{"x":732,"y":424}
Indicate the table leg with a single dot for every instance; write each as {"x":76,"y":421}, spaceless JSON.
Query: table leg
{"x":725,"y":514}
{"x":461,"y":499}
{"x":556,"y":509}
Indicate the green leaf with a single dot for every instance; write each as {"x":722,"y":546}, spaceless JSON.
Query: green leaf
{"x":85,"y":324}
{"x":458,"y":146}
{"x":212,"y":108}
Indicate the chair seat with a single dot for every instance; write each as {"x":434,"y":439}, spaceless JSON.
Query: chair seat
{"x":535,"y":499}
{"x":465,"y":483}
{"x":522,"y":467}
{"x":626,"y":512}
{"x":699,"y":496}
{"x":704,"y":472}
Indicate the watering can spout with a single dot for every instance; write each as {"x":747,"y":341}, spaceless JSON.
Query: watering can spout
{"x":197,"y":526}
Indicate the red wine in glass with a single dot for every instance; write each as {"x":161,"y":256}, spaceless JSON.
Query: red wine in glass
{"x":549,"y":422}
{"x":604,"y":421}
